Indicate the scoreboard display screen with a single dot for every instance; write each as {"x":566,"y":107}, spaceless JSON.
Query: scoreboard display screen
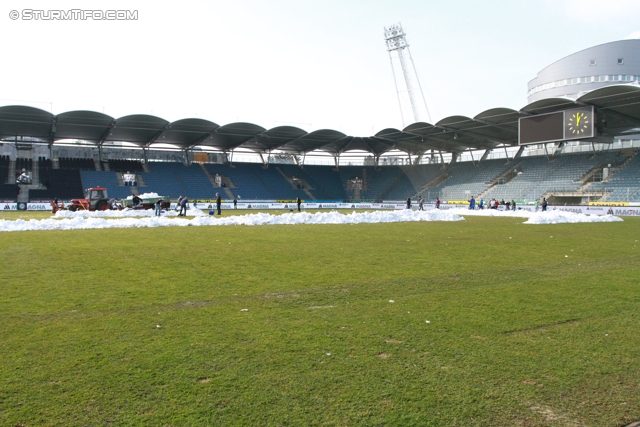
{"x":564,"y":125}
{"x":542,"y":128}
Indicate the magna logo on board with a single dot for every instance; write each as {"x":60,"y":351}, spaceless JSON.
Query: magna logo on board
{"x":626,"y":212}
{"x":328,"y":206}
{"x":574,"y":210}
{"x":257,"y":206}
{"x":38,"y":207}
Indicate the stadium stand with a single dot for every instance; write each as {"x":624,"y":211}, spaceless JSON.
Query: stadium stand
{"x":612,"y":173}
{"x":81,"y":164}
{"x":174,"y":179}
{"x":325,"y":181}
{"x":278,"y":185}
{"x":376,"y":181}
{"x":623,"y":183}
{"x":466,"y":179}
{"x":537,"y":176}
{"x":22,"y":163}
{"x":125,"y":166}
{"x":8,"y":187}
{"x":60,"y":183}
{"x":244,"y":181}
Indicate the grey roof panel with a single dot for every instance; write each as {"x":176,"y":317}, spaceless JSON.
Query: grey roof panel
{"x":82,"y":125}
{"x":20,"y":120}
{"x":137,"y":129}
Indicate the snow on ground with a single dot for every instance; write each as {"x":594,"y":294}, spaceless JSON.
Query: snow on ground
{"x":126,"y":213}
{"x":548,"y":217}
{"x":560,"y":217}
{"x":66,"y":220}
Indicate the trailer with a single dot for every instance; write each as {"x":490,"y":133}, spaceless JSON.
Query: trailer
{"x":146,"y":201}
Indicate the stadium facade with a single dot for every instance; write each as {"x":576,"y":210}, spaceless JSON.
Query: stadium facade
{"x":607,"y":64}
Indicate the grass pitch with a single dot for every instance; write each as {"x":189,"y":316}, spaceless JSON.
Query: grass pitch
{"x":528,"y":325}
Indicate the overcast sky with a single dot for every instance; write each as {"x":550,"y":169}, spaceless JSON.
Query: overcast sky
{"x":312,"y":64}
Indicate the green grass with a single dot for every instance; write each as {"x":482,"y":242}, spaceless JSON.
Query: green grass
{"x":519,"y":334}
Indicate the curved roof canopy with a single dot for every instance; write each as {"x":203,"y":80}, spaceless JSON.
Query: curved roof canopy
{"x":617,"y":107}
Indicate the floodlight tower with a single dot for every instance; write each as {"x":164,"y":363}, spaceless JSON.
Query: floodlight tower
{"x":396,"y":42}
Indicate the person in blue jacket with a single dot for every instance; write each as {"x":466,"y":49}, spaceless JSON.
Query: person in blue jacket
{"x":183,"y":206}
{"x":472,"y":203}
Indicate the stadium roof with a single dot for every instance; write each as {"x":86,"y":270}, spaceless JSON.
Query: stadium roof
{"x":618,"y":110}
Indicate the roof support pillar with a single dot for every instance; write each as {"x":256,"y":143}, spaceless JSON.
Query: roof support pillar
{"x":262,"y":158}
{"x":336,"y":160}
{"x":441,"y":157}
{"x":295,"y":160}
{"x":485,"y":155}
{"x":409,"y":159}
{"x":519,"y":153}
{"x":472,"y":159}
{"x":454,"y":157}
{"x":419,"y":158}
{"x":185,"y":157}
{"x":144,"y":154}
{"x":506,"y":152}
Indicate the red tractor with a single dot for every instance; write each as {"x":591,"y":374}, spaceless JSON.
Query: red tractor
{"x":95,"y":199}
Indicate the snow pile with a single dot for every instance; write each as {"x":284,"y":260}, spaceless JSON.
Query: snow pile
{"x":494,"y":212}
{"x":548,"y":217}
{"x":129,"y":218}
{"x":125,"y":213}
{"x":136,"y":219}
{"x":560,"y":217}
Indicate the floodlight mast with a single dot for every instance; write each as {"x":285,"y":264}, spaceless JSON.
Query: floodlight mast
{"x":396,"y":42}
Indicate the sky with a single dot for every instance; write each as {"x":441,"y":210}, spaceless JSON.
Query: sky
{"x":310,"y":64}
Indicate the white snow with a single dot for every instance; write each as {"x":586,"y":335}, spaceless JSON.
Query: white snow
{"x":66,"y":220}
{"x":560,"y":217}
{"x":548,"y":217}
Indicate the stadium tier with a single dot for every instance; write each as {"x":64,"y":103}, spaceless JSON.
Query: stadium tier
{"x":624,"y":184}
{"x":604,"y":176}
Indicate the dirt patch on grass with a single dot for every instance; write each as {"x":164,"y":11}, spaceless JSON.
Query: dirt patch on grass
{"x":383,"y":355}
{"x":553,"y":416}
{"x":392,"y":341}
{"x":204,"y":380}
